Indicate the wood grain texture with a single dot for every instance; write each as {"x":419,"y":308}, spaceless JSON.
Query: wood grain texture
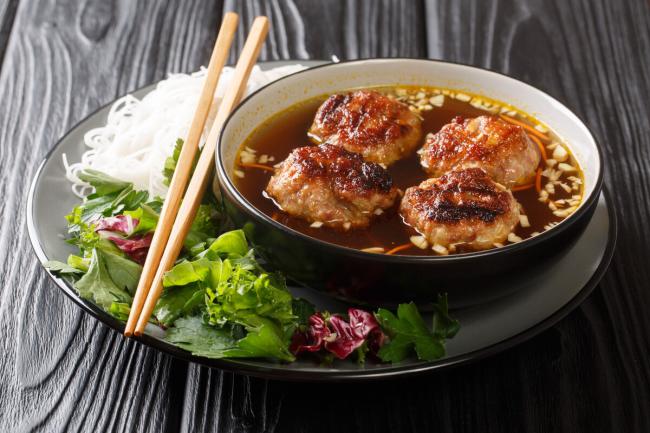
{"x":60,"y":370}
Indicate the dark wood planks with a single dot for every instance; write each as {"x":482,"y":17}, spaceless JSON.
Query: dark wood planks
{"x":588,"y":54}
{"x":62,"y":371}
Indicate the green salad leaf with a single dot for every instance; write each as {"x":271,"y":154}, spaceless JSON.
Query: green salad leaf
{"x":79,"y":263}
{"x":120,"y":310}
{"x":226,"y":285}
{"x":180,"y":301}
{"x":409,"y":332}
{"x":62,"y":268}
{"x":111,"y":197}
{"x":124,"y":272}
{"x":98,"y":286}
{"x":193,"y":335}
{"x":103,"y":183}
{"x":266,"y":341}
{"x":147,"y":218}
{"x":171,"y":162}
{"x":231,"y":244}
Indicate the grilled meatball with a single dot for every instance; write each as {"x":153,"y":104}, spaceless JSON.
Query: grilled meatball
{"x":381,"y":129}
{"x":330,"y":185}
{"x":502,"y":149}
{"x":463,"y":207}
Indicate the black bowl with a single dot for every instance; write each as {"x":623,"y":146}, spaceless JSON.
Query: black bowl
{"x":378,"y":279}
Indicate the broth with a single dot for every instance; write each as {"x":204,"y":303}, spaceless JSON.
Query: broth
{"x":272,"y":141}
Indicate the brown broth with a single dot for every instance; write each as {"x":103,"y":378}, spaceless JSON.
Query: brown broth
{"x":285,"y":131}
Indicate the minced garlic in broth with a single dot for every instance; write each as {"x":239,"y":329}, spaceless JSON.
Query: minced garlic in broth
{"x":273,"y":140}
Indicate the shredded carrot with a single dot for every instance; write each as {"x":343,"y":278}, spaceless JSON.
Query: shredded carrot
{"x":525,"y":126}
{"x":260,"y":166}
{"x":399,"y":248}
{"x":541,"y":147}
{"x":523,"y":187}
{"x":538,"y":180}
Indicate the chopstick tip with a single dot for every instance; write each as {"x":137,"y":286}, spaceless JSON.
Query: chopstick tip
{"x":230,"y":16}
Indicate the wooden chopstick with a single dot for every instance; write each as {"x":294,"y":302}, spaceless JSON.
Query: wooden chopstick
{"x":183,"y":167}
{"x":201,"y":176}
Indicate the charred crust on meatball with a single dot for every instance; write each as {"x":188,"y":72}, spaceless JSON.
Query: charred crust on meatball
{"x":345,"y":170}
{"x":347,"y":115}
{"x":460,"y":196}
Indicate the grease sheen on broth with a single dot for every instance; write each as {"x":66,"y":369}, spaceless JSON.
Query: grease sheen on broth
{"x":287,"y":130}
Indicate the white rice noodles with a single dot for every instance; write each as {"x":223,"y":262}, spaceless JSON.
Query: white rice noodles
{"x":141,"y":133}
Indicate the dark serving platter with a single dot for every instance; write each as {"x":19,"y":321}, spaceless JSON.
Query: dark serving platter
{"x":542,"y":297}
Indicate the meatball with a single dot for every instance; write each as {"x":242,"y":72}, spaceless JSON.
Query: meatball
{"x":502,"y":149}
{"x":381,"y":129}
{"x":463,"y":207}
{"x":329,"y":185}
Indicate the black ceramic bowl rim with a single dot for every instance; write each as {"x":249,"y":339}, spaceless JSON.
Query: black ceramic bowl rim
{"x":226,"y":183}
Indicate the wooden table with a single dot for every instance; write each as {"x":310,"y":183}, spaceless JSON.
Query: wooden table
{"x":61,"y":370}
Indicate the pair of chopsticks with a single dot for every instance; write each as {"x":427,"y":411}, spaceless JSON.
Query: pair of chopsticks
{"x":177,"y":215}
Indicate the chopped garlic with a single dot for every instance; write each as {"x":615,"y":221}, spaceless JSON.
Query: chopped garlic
{"x":239,"y":174}
{"x":463,"y":97}
{"x":419,"y":241}
{"x":378,"y":211}
{"x":550,"y":162}
{"x":560,"y":154}
{"x":550,"y":188}
{"x":347,"y":225}
{"x":440,"y":249}
{"x":543,"y":195}
{"x":566,"y":167}
{"x":246,"y":157}
{"x":514,"y":238}
{"x":437,"y":101}
{"x":523,"y":221}
{"x":316,"y":224}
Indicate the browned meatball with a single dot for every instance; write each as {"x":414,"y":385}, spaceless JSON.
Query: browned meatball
{"x":381,"y":129}
{"x":329,"y":185}
{"x":462,"y":208}
{"x":502,"y":149}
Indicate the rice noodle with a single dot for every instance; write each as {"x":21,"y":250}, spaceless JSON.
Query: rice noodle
{"x":141,"y":133}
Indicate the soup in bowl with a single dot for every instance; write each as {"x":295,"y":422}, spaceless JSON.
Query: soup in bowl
{"x":391,"y":180}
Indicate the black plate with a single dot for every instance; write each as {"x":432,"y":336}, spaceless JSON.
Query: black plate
{"x":544,"y":297}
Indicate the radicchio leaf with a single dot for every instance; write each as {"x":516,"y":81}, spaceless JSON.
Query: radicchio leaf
{"x":121,"y":223}
{"x":311,"y":339}
{"x":136,"y":247}
{"x":338,"y":336}
{"x":350,"y":335}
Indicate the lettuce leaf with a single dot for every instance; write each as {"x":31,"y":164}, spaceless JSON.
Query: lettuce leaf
{"x":193,"y":335}
{"x":61,"y":268}
{"x":102,"y":182}
{"x":200,"y":339}
{"x":123,"y":272}
{"x":266,"y":341}
{"x":97,"y":286}
{"x":179,"y":301}
{"x":147,"y":219}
